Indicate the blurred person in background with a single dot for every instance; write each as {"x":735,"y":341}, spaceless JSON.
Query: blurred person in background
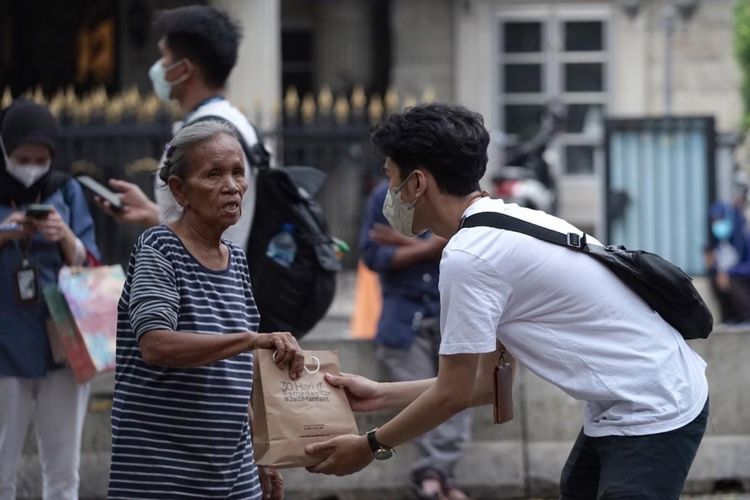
{"x":186,"y":328}
{"x":33,"y":387}
{"x":408,"y":336}
{"x":198,"y":48}
{"x":728,"y":256}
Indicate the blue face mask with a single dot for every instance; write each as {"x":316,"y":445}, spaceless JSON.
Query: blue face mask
{"x":158,"y":75}
{"x":722,"y":228}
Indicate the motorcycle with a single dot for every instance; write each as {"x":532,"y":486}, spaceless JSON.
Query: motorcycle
{"x":526,"y":178}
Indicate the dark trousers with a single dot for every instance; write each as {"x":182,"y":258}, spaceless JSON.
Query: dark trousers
{"x":734,"y":304}
{"x":647,"y":467}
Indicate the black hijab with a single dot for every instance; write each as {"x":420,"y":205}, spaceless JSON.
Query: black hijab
{"x":25,"y":122}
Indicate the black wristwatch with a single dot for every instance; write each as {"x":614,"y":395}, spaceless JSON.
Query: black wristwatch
{"x":379,"y":452}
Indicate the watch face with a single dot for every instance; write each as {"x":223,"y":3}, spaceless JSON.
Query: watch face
{"x":382,"y":454}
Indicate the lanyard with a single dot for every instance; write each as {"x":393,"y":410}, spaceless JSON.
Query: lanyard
{"x":24,"y":254}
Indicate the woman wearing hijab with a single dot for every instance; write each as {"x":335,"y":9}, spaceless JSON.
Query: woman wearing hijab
{"x":33,"y":388}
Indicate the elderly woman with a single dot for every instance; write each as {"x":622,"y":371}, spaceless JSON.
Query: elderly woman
{"x":186,"y":329}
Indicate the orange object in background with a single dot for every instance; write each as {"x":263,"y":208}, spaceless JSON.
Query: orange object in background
{"x":368,"y":303}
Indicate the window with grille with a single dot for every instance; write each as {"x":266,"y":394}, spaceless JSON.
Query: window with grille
{"x":553,"y":55}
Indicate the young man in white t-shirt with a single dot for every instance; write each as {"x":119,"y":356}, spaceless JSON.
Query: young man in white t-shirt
{"x":560,"y":313}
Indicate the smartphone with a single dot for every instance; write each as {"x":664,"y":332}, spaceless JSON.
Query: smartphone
{"x":101,"y":191}
{"x":38,"y":210}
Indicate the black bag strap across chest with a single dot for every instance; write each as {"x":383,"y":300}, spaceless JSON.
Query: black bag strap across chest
{"x":662,"y":285}
{"x":502,"y":221}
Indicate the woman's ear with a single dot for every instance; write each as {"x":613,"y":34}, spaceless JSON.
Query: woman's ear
{"x":177,"y":188}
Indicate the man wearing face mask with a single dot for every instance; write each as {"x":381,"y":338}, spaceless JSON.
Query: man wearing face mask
{"x":198,"y":49}
{"x":560,"y":313}
{"x":728,"y":258}
{"x":408,"y":332}
{"x":33,"y":387}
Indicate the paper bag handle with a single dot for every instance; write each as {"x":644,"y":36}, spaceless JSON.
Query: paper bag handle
{"x":311,"y":372}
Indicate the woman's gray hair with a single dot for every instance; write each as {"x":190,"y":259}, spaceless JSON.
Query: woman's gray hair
{"x":178,"y":151}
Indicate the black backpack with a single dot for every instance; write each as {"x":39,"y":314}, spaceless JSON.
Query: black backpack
{"x":289,"y":299}
{"x":664,"y":286}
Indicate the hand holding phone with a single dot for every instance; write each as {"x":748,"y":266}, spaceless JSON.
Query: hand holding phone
{"x":137,"y":208}
{"x":99,"y":190}
{"x":38,"y":210}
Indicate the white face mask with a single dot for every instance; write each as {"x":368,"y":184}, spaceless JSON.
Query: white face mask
{"x":25,"y":174}
{"x":399,"y":214}
{"x":158,"y":75}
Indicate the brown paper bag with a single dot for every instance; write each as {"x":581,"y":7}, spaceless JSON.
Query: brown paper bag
{"x":290,"y":414}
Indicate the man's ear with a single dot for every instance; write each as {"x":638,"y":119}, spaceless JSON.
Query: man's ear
{"x":421,"y":184}
{"x":177,"y":188}
{"x":190,"y":68}
{"x":192,"y":71}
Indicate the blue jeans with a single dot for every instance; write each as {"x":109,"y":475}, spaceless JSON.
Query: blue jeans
{"x":646,"y":467}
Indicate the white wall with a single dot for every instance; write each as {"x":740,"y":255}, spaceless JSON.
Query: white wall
{"x":706,"y":78}
{"x":254,"y":85}
{"x":423,"y":43}
{"x":706,"y":75}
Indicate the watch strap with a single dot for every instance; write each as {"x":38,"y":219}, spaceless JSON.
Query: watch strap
{"x":372,"y":440}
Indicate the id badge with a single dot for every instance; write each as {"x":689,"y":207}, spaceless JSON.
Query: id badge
{"x":503,"y":392}
{"x":27,"y":286}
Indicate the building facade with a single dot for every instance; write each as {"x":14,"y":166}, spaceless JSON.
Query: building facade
{"x":507,"y":59}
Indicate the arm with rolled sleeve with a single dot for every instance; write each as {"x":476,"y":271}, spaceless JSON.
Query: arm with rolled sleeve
{"x":401,"y":251}
{"x":377,"y":257}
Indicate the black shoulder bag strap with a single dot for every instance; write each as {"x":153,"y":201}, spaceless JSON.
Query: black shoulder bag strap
{"x":501,"y":221}
{"x":257,"y":154}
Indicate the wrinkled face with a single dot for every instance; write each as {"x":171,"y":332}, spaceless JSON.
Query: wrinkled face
{"x":31,"y":154}
{"x":215,"y":182}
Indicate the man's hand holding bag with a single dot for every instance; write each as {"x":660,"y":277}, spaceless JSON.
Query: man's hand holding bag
{"x":290,"y":414}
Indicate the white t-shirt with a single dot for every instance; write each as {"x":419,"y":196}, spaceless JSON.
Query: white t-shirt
{"x":170,"y":209}
{"x":572,"y":322}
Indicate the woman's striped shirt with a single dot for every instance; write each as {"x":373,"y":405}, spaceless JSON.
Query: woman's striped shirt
{"x":182,"y":433}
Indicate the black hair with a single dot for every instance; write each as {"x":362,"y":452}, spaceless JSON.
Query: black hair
{"x":204,"y":35}
{"x":448,"y":141}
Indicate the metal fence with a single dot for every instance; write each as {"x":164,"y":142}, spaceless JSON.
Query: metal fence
{"x":659,"y":184}
{"x":124,"y":151}
{"x":122,"y":135}
{"x":130,"y":151}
